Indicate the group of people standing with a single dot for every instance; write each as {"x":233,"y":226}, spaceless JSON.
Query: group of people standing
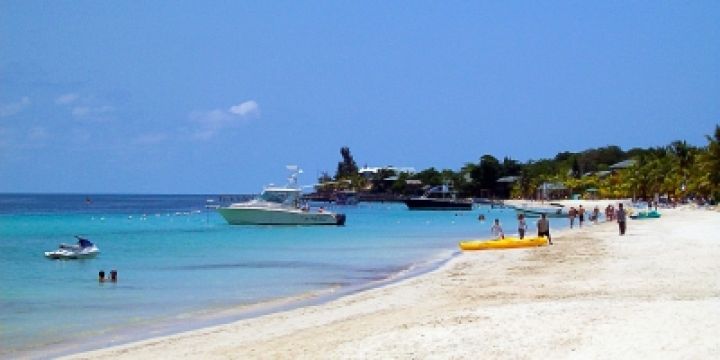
{"x":543,"y":224}
{"x":580,"y":214}
{"x":610,"y":215}
{"x":576,"y":213}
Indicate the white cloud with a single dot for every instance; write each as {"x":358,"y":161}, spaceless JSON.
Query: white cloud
{"x":66,"y":99}
{"x":246,"y":108}
{"x":92,"y":111}
{"x":14,"y":108}
{"x":209,"y":123}
{"x":86,"y":108}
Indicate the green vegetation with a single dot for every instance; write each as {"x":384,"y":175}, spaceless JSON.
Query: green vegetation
{"x":677,"y":170}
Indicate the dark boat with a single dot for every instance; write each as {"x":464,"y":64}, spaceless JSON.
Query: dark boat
{"x":346,"y":197}
{"x":439,"y":198}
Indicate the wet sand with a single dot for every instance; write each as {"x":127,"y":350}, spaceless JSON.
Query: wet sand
{"x":654,"y":293}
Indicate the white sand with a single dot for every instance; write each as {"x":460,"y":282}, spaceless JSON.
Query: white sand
{"x":654,"y":293}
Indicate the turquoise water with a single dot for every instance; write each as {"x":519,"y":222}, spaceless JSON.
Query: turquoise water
{"x":178,"y":262}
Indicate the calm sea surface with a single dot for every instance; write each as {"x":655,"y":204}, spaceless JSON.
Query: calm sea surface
{"x":179,"y":263}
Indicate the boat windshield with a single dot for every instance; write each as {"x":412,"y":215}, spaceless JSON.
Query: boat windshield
{"x":439,"y":192}
{"x":288,"y":197}
{"x":83,"y":242}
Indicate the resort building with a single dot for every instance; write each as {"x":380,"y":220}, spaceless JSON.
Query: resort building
{"x":370,"y":172}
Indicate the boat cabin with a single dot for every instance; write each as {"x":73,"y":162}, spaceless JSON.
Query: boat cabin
{"x":284,"y":196}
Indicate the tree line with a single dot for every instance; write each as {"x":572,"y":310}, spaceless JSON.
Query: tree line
{"x":677,"y":170}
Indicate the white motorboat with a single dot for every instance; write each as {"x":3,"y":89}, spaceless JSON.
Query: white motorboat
{"x":552,"y":211}
{"x":279,"y":206}
{"x":84,"y":249}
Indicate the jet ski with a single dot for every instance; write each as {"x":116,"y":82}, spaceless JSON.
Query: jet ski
{"x":84,"y":249}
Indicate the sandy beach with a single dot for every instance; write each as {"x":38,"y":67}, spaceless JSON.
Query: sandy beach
{"x":654,"y":293}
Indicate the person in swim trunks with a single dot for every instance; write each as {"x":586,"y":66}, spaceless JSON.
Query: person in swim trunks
{"x":543,"y":226}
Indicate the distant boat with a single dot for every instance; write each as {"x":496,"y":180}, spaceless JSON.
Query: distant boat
{"x":651,"y":214}
{"x":346,"y":197}
{"x":552,"y":211}
{"x":439,"y":198}
{"x":279,"y":206}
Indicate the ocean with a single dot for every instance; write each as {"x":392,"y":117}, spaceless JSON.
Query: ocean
{"x":181,"y":266}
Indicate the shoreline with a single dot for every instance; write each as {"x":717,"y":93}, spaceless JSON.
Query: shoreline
{"x":574,"y":299}
{"x":221,"y":316}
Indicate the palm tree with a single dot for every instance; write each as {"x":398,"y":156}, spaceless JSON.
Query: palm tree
{"x":683,"y":156}
{"x":713,"y":159}
{"x":707,"y":169}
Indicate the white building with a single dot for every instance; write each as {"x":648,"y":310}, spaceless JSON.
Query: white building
{"x":369,"y":172}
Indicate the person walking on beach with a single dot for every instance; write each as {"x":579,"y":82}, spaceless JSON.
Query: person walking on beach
{"x":621,"y":218}
{"x":522,"y":226}
{"x":497,"y":230}
{"x":608,"y":213}
{"x":596,"y":215}
{"x":571,"y":214}
{"x":543,"y":226}
{"x":581,"y":216}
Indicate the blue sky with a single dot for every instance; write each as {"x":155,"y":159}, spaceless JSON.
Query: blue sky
{"x":218,"y":96}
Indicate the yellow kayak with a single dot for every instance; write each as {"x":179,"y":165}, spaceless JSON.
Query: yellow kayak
{"x":506,"y":243}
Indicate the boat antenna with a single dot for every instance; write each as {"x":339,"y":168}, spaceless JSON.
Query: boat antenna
{"x":296,"y":171}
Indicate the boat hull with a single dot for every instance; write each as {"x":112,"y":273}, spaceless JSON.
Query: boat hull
{"x":66,"y":254}
{"x":506,"y":243}
{"x":438,"y":204}
{"x":551,"y":213}
{"x":257,"y":216}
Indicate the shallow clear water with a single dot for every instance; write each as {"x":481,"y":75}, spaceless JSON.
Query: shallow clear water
{"x":174,"y":258}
